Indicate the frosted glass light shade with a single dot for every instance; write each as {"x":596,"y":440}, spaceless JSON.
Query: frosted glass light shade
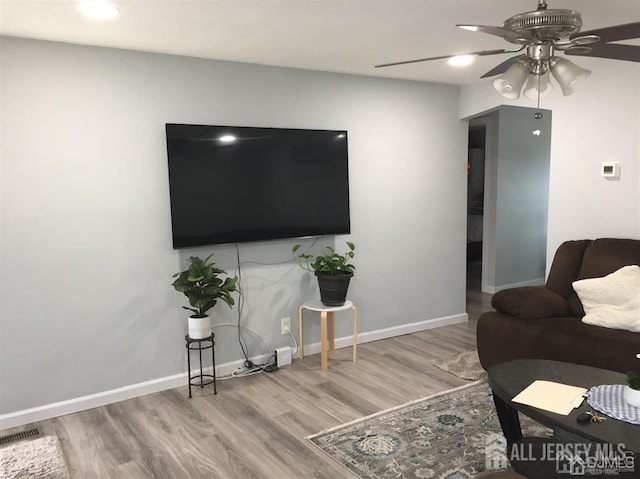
{"x":461,"y":60}
{"x":510,"y":82}
{"x":568,"y":75}
{"x":531,"y":88}
{"x":97,"y":9}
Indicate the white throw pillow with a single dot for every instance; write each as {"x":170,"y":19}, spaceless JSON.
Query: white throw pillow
{"x":612,"y":301}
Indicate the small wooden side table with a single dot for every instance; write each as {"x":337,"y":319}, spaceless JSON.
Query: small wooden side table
{"x":327,"y":331}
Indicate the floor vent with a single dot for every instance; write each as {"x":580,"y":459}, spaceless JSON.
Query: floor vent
{"x":19,"y":436}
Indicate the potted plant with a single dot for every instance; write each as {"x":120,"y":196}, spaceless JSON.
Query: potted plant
{"x":632,"y":393}
{"x":201,"y":283}
{"x":333,"y":270}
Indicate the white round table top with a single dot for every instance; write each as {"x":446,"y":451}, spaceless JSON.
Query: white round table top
{"x":316,"y":305}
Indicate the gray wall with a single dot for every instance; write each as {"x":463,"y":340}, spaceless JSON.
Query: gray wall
{"x":516,"y":196}
{"x":522,"y":195}
{"x":86,"y":259}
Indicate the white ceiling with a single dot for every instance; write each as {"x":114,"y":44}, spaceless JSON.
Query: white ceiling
{"x":349,"y":36}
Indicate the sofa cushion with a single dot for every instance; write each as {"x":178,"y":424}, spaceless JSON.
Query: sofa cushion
{"x":602,"y":257}
{"x":612,"y":301}
{"x":565,"y":267}
{"x":502,"y":337}
{"x":530,"y":302}
{"x":606,"y":255}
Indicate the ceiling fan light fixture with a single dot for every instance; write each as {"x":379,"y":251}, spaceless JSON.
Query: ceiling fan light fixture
{"x":97,"y":9}
{"x":461,"y":60}
{"x":568,"y":75}
{"x":510,"y":82}
{"x":534,"y":82}
{"x":543,"y":32}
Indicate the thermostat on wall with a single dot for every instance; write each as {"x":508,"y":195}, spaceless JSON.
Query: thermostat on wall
{"x":610,"y":170}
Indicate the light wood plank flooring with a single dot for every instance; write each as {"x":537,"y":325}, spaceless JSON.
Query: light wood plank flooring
{"x":255,"y":427}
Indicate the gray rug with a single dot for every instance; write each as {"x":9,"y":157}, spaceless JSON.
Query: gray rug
{"x":39,"y":458}
{"x":452,"y":435}
{"x":464,"y":365}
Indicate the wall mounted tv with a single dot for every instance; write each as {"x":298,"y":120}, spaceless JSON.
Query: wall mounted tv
{"x":230,"y":184}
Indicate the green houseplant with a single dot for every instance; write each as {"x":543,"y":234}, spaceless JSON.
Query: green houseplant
{"x":202,"y":285}
{"x":632,"y":393}
{"x":333,"y":270}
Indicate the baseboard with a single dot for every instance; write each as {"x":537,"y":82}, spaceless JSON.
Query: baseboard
{"x":494,"y":289}
{"x":48,"y":411}
{"x":347,"y":341}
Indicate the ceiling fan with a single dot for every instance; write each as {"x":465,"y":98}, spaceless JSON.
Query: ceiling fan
{"x":540,"y":34}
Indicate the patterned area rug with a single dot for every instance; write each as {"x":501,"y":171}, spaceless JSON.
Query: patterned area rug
{"x":452,"y":435}
{"x":39,"y":458}
{"x":464,"y":365}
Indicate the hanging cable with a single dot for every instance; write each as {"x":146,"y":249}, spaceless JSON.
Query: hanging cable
{"x":243,"y":344}
{"x":241,"y":340}
{"x":295,"y":344}
{"x":246,"y":328}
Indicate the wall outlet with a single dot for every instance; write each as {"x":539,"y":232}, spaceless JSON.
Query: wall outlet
{"x":285,"y":323}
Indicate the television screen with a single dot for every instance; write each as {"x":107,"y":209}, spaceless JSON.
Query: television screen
{"x":232,"y":184}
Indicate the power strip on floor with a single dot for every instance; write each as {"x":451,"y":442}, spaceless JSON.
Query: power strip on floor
{"x":283,"y":356}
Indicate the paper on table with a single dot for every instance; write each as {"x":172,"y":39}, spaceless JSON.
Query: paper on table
{"x":550,"y":396}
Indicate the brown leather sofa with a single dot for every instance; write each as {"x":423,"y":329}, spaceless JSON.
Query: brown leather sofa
{"x":544,"y":322}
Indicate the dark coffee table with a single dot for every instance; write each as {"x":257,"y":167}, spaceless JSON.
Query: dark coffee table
{"x":508,"y":379}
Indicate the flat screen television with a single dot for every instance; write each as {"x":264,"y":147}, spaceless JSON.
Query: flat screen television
{"x":231,"y":184}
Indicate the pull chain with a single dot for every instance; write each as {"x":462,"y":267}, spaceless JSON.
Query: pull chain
{"x":537,"y":114}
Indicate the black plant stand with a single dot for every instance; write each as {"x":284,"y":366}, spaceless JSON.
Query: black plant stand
{"x":196,"y":345}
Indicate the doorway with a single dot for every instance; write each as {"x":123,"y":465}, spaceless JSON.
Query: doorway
{"x":475,"y":204}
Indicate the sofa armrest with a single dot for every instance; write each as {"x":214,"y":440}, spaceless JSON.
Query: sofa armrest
{"x":531,"y":302}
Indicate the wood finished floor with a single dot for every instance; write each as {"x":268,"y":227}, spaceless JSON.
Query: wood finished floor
{"x":255,"y":427}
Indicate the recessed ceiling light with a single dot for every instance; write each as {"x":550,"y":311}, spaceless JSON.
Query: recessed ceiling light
{"x":97,"y":9}
{"x":227,"y":139}
{"x":461,"y":60}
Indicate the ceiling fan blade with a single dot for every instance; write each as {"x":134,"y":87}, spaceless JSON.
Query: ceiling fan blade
{"x":498,"y":31}
{"x":613,"y":51}
{"x":502,"y":67}
{"x":481,"y":53}
{"x":615,"y":33}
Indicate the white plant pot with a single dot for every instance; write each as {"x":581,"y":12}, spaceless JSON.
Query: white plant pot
{"x":632,"y":397}
{"x":199,"y":328}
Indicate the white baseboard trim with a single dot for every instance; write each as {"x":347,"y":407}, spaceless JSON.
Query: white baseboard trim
{"x":347,"y":341}
{"x":494,"y":289}
{"x":48,"y":411}
{"x":82,"y":403}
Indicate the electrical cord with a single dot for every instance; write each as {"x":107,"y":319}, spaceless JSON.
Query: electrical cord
{"x":247,"y":328}
{"x":242,"y":374}
{"x":243,"y":345}
{"x":292,"y":261}
{"x":295,"y":344}
{"x":270,"y":364}
{"x":283,"y":262}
